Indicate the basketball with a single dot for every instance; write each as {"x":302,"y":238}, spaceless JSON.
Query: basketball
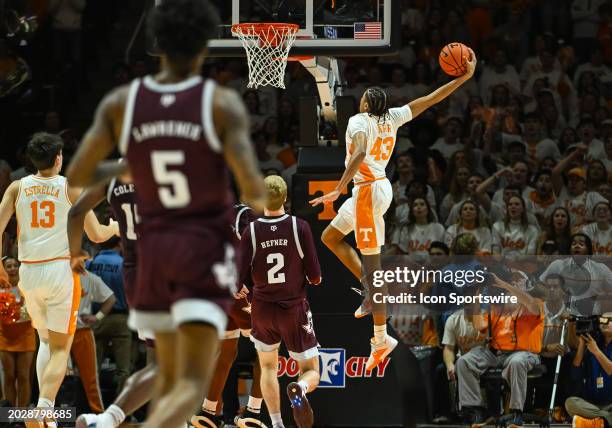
{"x":451,"y":59}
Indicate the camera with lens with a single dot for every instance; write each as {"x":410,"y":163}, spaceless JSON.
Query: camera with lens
{"x":587,"y":325}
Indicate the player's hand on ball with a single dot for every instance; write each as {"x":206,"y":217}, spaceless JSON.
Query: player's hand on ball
{"x":326,"y":199}
{"x":77,"y":262}
{"x":470,"y":64}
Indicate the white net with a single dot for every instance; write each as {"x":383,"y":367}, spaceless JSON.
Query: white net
{"x":267,"y":47}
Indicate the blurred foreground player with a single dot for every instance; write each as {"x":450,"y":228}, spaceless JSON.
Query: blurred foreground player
{"x":179,"y":134}
{"x":138,"y":389}
{"x":370,"y":139}
{"x":279,"y":254}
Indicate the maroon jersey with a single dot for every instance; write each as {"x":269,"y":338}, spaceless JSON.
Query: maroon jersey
{"x":122,"y":201}
{"x":244,"y":216}
{"x":175,"y":156}
{"x":280,"y":256}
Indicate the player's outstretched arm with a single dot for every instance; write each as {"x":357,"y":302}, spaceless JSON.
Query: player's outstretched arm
{"x":87,"y":201}
{"x":419,"y":105}
{"x":357,"y":157}
{"x":99,"y":142}
{"x":233,"y":127}
{"x":7,"y":209}
{"x":95,"y":231}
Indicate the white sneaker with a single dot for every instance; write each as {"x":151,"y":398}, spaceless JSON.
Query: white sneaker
{"x":90,"y":420}
{"x":379,"y":351}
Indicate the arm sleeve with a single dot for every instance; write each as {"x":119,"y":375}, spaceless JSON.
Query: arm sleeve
{"x":246,"y":256}
{"x":100,"y":292}
{"x":400,"y":115}
{"x":312,"y":268}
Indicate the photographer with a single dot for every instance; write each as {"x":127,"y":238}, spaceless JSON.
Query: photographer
{"x":515,"y":335}
{"x":593,"y":364}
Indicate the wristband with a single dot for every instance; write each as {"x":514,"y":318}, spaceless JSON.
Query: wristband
{"x":99,"y":315}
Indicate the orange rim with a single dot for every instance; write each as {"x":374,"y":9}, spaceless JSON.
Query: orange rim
{"x":262,"y":29}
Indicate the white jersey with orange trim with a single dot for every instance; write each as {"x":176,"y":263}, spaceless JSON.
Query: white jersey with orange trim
{"x":381,"y":134}
{"x":42,"y":214}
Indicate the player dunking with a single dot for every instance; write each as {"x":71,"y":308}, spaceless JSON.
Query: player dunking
{"x":370,"y":139}
{"x":279,"y":254}
{"x":179,"y":134}
{"x":52,"y":293}
{"x":138,"y":389}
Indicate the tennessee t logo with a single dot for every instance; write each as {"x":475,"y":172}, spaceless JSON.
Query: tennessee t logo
{"x":366,"y":233}
{"x":328,"y":212}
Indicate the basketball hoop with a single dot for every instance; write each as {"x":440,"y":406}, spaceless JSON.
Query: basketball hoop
{"x":267,"y":46}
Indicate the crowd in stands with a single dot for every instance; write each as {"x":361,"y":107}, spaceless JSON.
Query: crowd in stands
{"x":517,"y":162}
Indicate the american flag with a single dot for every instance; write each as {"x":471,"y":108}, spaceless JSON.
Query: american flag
{"x":367,"y":30}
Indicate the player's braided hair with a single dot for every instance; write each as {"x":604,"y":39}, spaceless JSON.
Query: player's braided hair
{"x":376,"y":98}
{"x":182,"y":28}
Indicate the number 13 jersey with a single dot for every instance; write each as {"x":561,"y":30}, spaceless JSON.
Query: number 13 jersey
{"x":42,"y":214}
{"x":175,"y":156}
{"x":381,"y":134}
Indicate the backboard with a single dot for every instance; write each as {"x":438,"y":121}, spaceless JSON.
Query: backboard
{"x":327,"y":27}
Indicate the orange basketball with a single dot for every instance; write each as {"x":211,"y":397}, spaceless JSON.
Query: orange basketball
{"x":451,"y":59}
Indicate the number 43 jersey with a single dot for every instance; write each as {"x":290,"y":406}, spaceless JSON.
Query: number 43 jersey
{"x":380,"y":133}
{"x":175,"y":156}
{"x":280,"y":255}
{"x":42,"y":207}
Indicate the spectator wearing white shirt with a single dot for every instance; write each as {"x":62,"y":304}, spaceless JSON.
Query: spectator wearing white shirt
{"x":586,"y":280}
{"x":533,"y":64}
{"x":585,"y":18}
{"x":450,"y":142}
{"x":499,"y":72}
{"x":469,"y":223}
{"x":600,"y":231}
{"x":514,"y":235}
{"x":421,"y":230}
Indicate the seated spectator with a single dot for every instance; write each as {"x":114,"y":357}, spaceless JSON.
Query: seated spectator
{"x":542,"y":198}
{"x":457,"y":191}
{"x":596,"y":175}
{"x":595,"y":65}
{"x":516,"y":340}
{"x":586,"y":135}
{"x":575,"y":197}
{"x":593,"y":370}
{"x":83,"y":351}
{"x":538,"y":147}
{"x":600,"y":231}
{"x":533,"y":63}
{"x":474,"y":181}
{"x":400,"y":92}
{"x":404,"y":174}
{"x":558,"y":230}
{"x":450,"y":142}
{"x":567,"y":139}
{"x":514,"y":235}
{"x":554,"y":122}
{"x":469,"y":223}
{"x":414,"y":189}
{"x":415,"y":237}
{"x":498,"y":72}
{"x":519,"y":177}
{"x":17,"y":342}
{"x":586,"y":280}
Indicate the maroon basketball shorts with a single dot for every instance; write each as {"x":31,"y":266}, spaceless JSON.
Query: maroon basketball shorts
{"x":292,"y":324}
{"x":183,"y":277}
{"x":129,"y":282}
{"x":239,"y":320}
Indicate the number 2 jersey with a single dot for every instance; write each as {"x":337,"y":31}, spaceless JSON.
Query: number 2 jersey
{"x":175,"y":157}
{"x":41,"y":208}
{"x":381,"y":134}
{"x":280,"y":256}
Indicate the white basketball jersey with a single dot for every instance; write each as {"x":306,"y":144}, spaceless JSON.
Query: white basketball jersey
{"x":42,"y":215}
{"x":380,"y":137}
